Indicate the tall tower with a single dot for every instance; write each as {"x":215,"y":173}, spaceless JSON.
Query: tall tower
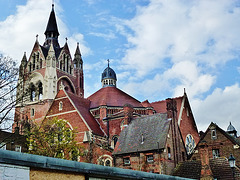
{"x":40,"y":77}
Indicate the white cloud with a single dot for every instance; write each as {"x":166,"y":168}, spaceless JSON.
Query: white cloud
{"x":183,"y":31}
{"x":18,"y":31}
{"x":221,"y":107}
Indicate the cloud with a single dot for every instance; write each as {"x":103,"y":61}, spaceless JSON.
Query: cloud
{"x":175,"y":34}
{"x":18,"y":31}
{"x":221,"y":107}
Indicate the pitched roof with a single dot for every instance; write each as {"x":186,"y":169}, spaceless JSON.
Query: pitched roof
{"x":188,"y":169}
{"x":82,"y":106}
{"x":152,"y":128}
{"x":112,"y":96}
{"x":192,"y":169}
{"x":231,"y":138}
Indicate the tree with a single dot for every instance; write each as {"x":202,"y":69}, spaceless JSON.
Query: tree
{"x":53,"y":138}
{"x":8,"y":85}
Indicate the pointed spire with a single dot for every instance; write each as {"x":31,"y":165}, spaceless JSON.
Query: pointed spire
{"x":24,"y":59}
{"x":77,"y":52}
{"x":23,"y":64}
{"x":78,"y":58}
{"x":52,"y":29}
{"x":51,"y":32}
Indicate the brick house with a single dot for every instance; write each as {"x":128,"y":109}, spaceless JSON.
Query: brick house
{"x":220,"y":143}
{"x":148,"y":144}
{"x":210,"y":157}
{"x":51,"y":84}
{"x":12,"y":141}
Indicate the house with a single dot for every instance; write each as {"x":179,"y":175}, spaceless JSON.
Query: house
{"x":211,"y":155}
{"x":148,"y":144}
{"x":220,"y":143}
{"x":51,"y":84}
{"x":12,"y":141}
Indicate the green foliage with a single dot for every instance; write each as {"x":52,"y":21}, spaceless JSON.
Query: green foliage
{"x":53,"y":138}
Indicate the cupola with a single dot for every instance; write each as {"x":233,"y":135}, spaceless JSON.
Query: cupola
{"x":109,"y":77}
{"x":231,"y":130}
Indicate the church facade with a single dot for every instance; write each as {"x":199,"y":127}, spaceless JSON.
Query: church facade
{"x":51,"y":84}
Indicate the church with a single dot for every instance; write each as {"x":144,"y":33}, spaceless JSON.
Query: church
{"x":116,"y":128}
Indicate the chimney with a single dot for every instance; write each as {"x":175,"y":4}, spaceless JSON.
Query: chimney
{"x":206,"y":170}
{"x":128,"y":114}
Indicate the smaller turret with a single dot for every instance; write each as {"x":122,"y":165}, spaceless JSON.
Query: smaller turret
{"x":23,"y":65}
{"x":78,"y":62}
{"x":231,"y":130}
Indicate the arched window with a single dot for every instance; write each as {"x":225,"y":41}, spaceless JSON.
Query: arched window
{"x":190,"y":144}
{"x":30,"y":67}
{"x":64,"y":61}
{"x":34,"y":61}
{"x":40,"y":91}
{"x":107,"y":162}
{"x":169,"y":153}
{"x":67,"y":64}
{"x":115,"y":139}
{"x":61,"y":65}
{"x":60,"y":105}
{"x":32,"y":92}
{"x":40,"y":63}
{"x":32,"y":112}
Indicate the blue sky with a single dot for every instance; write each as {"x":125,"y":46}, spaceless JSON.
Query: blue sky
{"x":156,"y":47}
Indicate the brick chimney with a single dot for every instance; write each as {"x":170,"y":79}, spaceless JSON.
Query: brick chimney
{"x":203,"y":150}
{"x":128,"y":114}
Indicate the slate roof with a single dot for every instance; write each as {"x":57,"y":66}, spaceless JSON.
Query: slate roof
{"x":82,"y":106}
{"x":188,"y":169}
{"x":52,"y":23}
{"x":231,"y":127}
{"x":153,"y":128}
{"x":112,"y":96}
{"x":45,"y":50}
{"x":219,"y":166}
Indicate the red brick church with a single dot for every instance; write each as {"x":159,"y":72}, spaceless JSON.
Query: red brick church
{"x":51,"y":84}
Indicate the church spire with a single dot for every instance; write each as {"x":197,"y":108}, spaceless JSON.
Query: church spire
{"x":51,"y":32}
{"x":78,"y":58}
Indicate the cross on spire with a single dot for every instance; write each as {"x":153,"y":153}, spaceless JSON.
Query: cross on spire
{"x":108,"y":62}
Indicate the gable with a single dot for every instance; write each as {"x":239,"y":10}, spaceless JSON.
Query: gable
{"x":75,"y":113}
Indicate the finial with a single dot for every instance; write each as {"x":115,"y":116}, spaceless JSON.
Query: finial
{"x":52,"y":4}
{"x":37,"y":37}
{"x":66,"y":39}
{"x":77,"y":43}
{"x":108,"y":62}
